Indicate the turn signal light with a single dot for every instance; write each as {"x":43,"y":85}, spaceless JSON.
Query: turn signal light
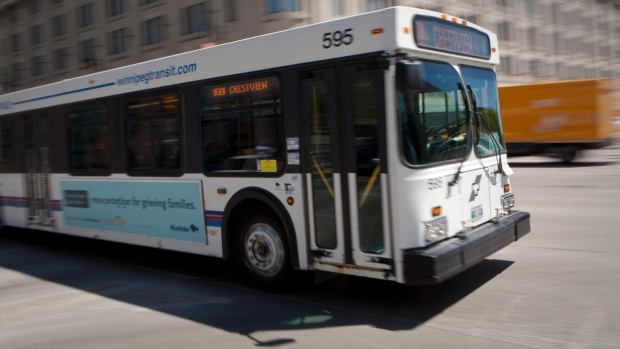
{"x":436,"y":211}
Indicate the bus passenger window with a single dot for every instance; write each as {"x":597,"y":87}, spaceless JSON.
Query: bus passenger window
{"x":152,"y":130}
{"x":242,"y":127}
{"x":6,"y":141}
{"x":89,"y":141}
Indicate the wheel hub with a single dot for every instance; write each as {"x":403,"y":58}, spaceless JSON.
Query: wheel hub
{"x":264,"y":250}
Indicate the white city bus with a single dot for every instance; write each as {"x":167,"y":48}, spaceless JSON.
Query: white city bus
{"x":369,"y":145}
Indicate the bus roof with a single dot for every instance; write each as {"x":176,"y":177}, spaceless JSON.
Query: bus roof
{"x":389,"y":30}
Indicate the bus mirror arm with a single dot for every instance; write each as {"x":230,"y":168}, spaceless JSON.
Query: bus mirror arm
{"x":456,"y":176}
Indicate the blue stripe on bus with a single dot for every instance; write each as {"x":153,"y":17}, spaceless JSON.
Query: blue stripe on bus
{"x":65,"y":93}
{"x":20,"y":202}
{"x":213,"y":218}
{"x":13,"y":201}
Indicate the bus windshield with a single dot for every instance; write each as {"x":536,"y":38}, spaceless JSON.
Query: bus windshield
{"x":482,"y":84}
{"x":434,"y":120}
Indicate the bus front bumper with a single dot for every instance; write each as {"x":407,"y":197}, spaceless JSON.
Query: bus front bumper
{"x":439,"y":262}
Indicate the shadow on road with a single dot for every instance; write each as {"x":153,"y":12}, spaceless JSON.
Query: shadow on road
{"x":212,"y":292}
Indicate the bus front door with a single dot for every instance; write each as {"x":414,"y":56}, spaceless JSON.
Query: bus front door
{"x":37,"y":174}
{"x":345,"y":162}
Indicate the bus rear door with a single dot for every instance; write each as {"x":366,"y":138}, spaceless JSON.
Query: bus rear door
{"x":37,"y":174}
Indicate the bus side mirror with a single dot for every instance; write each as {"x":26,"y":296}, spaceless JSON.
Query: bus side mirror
{"x":410,"y":76}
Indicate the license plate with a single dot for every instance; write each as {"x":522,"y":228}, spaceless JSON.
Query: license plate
{"x":476,"y":213}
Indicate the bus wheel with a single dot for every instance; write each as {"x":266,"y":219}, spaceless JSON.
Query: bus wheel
{"x":263,"y":250}
{"x":568,"y":156}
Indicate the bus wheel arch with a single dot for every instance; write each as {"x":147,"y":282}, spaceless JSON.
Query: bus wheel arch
{"x":254,"y":218}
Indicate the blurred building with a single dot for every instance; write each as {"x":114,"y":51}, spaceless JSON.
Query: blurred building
{"x":43,"y":41}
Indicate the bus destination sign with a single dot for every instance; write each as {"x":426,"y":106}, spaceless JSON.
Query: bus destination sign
{"x":436,"y":34}
{"x":253,"y":86}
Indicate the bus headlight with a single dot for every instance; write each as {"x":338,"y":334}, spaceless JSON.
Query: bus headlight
{"x":437,"y":229}
{"x":508,"y":201}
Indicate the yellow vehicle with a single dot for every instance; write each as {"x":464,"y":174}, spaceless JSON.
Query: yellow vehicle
{"x":559,"y":119}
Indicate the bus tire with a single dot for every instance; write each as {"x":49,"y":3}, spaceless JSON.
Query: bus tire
{"x":263,"y":249}
{"x":568,"y":156}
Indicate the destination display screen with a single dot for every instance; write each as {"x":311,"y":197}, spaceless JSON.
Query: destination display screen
{"x":440,"y":35}
{"x":243,"y":93}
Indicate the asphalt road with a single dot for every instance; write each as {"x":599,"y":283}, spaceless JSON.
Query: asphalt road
{"x":555,"y":288}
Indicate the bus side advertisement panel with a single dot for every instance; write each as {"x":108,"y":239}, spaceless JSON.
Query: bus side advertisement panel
{"x":168,"y":210}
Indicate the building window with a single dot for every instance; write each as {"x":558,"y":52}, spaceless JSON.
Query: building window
{"x":604,"y":51}
{"x":59,"y":24}
{"x":89,"y":150}
{"x":242,"y":127}
{"x":15,"y":14}
{"x":19,"y":72}
{"x":337,"y":7}
{"x":274,"y":6}
{"x":586,"y":48}
{"x":532,"y":38}
{"x":88,"y":51}
{"x":372,"y":5}
{"x":503,"y":31}
{"x":154,"y":30}
{"x":86,"y":15}
{"x":153,"y":131}
{"x":36,"y":36}
{"x":16,"y":42}
{"x":194,"y":18}
{"x":35,"y":7}
{"x":118,"y":41}
{"x":61,"y":58}
{"x":471,"y":19}
{"x":506,"y":65}
{"x":38,"y":65}
{"x":230,"y":10}
{"x":529,"y":6}
{"x":117,"y":7}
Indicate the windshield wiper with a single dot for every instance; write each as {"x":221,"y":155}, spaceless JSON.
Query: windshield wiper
{"x":458,"y":171}
{"x":483,"y":122}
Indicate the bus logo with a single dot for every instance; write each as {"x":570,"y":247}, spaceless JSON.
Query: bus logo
{"x":475,"y":188}
{"x":76,"y":198}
